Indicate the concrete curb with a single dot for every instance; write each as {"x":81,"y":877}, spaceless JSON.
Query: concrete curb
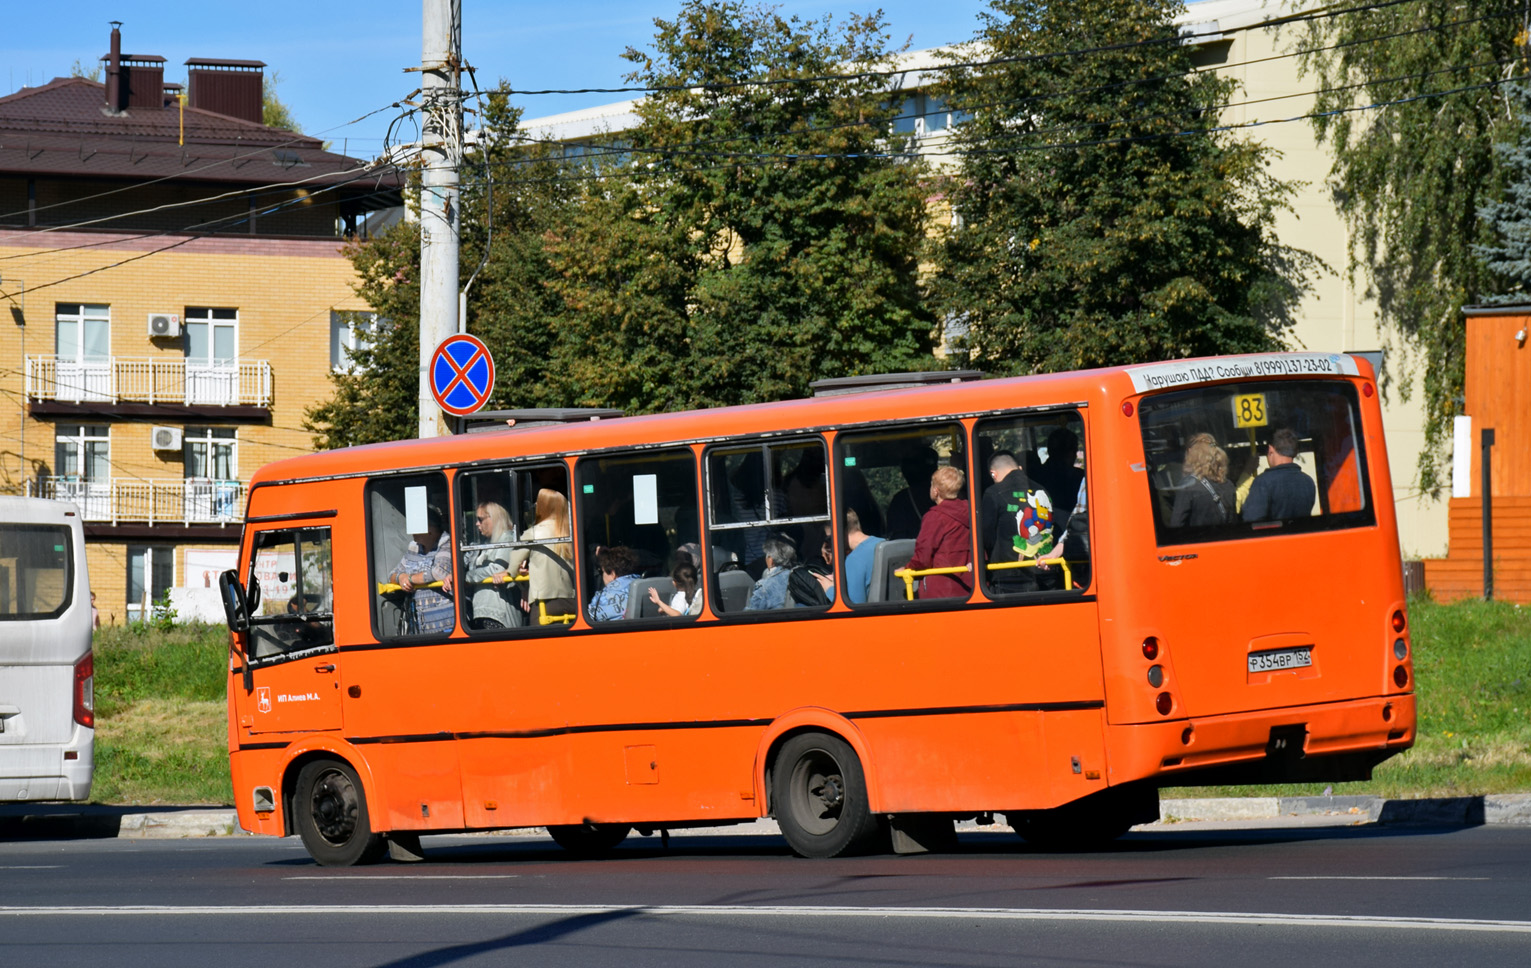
{"x":170,"y":823}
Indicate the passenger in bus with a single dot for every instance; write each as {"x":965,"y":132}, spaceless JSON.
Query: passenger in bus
{"x":812,"y":584}
{"x":771,"y":590}
{"x":428,"y":560}
{"x":805,"y":490}
{"x":1074,"y":546}
{"x":619,"y":569}
{"x":1059,"y":475}
{"x":858,"y":563}
{"x":687,"y":599}
{"x":488,"y":572}
{"x":549,"y":581}
{"x":999,"y":522}
{"x":946,"y":538}
{"x":856,"y":495}
{"x":1204,"y":496}
{"x":1283,"y":491}
{"x":908,"y":507}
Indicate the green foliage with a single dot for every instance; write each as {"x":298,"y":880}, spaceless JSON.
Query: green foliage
{"x":79,"y":70}
{"x":1102,"y":220}
{"x":160,"y":617}
{"x":1411,"y":178}
{"x":694,"y":265}
{"x":1509,"y":219}
{"x":273,"y":113}
{"x":182,"y":662}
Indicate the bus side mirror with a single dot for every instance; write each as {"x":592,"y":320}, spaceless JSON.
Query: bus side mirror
{"x":236,"y":608}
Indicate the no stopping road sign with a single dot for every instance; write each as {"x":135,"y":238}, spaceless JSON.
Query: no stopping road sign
{"x":462,"y":374}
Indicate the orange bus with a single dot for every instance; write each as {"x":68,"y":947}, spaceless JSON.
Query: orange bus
{"x":1061,"y":593}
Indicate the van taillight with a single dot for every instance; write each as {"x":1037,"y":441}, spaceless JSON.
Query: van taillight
{"x":85,"y":691}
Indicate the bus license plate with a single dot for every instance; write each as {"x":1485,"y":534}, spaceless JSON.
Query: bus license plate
{"x":1277,"y":659}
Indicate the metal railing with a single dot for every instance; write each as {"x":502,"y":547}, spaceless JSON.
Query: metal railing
{"x":195,"y":500}
{"x":153,"y":380}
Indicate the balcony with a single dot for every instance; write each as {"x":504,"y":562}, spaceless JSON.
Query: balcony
{"x":160,"y":388}
{"x":196,"y":507}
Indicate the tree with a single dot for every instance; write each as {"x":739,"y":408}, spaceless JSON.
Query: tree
{"x":1509,"y":219}
{"x":1099,"y":218}
{"x":79,"y":70}
{"x":273,"y":113}
{"x":1412,"y":175}
{"x":767,"y":231}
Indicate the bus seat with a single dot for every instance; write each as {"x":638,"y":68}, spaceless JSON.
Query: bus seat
{"x":722,"y":556}
{"x":888,"y":557}
{"x":734,"y":590}
{"x":638,"y":604}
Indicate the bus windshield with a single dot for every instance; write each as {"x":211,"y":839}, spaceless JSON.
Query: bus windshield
{"x":35,"y":571}
{"x":1253,"y":458}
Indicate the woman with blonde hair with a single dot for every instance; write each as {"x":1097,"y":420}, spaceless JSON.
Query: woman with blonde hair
{"x":1205,"y":495}
{"x":488,"y":569}
{"x":550,"y":580}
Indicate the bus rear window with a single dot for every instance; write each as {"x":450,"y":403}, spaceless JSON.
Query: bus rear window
{"x":35,"y":571}
{"x":1248,"y":459}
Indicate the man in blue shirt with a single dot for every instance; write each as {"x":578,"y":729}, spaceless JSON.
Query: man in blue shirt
{"x":1283,"y":491}
{"x":619,"y":570}
{"x":858,"y":564}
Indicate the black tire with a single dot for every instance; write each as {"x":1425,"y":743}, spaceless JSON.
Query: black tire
{"x":589,"y":839}
{"x":330,"y":813}
{"x":820,"y":797}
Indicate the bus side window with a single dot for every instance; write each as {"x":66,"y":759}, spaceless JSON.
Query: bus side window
{"x":410,"y":552}
{"x":290,"y":578}
{"x":637,"y":526}
{"x":1033,"y":523}
{"x":769,"y":500}
{"x":515,"y":549}
{"x":884,"y":480}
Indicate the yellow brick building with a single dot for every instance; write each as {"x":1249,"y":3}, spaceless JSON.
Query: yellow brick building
{"x":170,"y":305}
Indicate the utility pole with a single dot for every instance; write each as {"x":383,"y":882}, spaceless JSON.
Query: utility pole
{"x":441,"y":153}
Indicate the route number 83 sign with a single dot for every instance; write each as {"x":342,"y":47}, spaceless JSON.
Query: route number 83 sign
{"x":1249,"y":410}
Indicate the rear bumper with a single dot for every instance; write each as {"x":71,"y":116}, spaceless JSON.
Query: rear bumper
{"x":1330,"y":741}
{"x":40,"y":771}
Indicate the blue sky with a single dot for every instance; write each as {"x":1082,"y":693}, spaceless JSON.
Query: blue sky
{"x":337,"y":61}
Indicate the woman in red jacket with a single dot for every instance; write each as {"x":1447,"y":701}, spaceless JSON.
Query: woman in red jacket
{"x":945,"y":539}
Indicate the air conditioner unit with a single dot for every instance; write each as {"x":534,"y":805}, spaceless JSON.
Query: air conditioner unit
{"x":165,"y":324}
{"x":167,"y":438}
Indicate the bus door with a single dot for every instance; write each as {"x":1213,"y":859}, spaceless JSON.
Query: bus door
{"x":291,"y":682}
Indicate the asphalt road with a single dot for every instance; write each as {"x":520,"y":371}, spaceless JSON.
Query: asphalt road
{"x":1193,"y":894}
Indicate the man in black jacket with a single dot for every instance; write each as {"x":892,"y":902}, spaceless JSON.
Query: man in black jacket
{"x":1283,"y":491}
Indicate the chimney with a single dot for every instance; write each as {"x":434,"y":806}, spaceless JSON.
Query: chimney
{"x":231,"y":87}
{"x":114,"y":99}
{"x":132,"y":80}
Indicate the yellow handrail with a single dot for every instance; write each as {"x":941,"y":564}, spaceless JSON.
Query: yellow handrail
{"x":388,"y":587}
{"x":543,"y":618}
{"x":1068,"y":574}
{"x":910,"y":574}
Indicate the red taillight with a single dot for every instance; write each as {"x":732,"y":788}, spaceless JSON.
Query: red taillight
{"x":85,"y":691}
{"x":1164,"y":703}
{"x":1127,"y":408}
{"x":1150,"y":648}
{"x":1400,"y":677}
{"x":1399,"y":622}
{"x":1366,"y":389}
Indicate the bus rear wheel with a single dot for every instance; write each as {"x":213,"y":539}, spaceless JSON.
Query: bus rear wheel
{"x":330,"y":812}
{"x":589,"y":839}
{"x":821,"y":797}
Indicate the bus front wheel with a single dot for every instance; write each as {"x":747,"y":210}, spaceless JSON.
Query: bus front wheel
{"x":821,"y":797}
{"x":330,"y":812}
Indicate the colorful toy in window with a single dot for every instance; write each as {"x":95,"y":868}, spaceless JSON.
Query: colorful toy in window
{"x":1034,"y":525}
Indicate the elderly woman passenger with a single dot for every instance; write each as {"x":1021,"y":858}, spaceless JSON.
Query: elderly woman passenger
{"x":489,"y":570}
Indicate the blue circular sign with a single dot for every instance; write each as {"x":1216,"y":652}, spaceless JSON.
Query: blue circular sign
{"x":462,"y":374}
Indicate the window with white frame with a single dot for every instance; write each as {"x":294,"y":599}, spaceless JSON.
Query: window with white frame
{"x":350,"y":330}
{"x":212,"y":452}
{"x":151,"y":573}
{"x":82,"y":333}
{"x":212,"y":336}
{"x":82,"y":452}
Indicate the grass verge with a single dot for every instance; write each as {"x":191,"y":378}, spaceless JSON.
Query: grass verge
{"x":1472,"y":679}
{"x":161,"y":734}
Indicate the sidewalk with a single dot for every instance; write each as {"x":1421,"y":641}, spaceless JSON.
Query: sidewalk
{"x":51,"y":821}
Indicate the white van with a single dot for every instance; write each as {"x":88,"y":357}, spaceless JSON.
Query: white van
{"x":47,"y":681}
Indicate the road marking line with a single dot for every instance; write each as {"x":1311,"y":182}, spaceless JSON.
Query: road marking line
{"x":403,"y":877}
{"x":1337,"y":877}
{"x":798,"y":911}
{"x":31,"y":867}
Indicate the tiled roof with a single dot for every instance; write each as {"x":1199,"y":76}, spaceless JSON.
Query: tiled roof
{"x":63,"y":128}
